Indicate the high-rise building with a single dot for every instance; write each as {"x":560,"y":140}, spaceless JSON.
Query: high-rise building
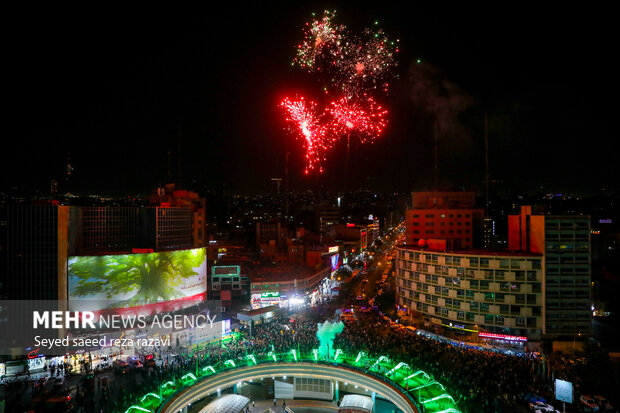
{"x":37,"y":240}
{"x":31,"y":237}
{"x":565,"y":242}
{"x":170,"y":196}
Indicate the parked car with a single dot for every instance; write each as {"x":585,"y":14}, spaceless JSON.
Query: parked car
{"x":541,"y":407}
{"x":588,"y":403}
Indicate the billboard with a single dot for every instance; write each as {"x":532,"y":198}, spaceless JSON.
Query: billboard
{"x":137,"y":280}
{"x":564,"y":391}
{"x":334,"y":261}
{"x":267,"y":299}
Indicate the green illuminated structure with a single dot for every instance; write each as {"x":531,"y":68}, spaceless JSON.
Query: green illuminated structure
{"x":417,"y":385}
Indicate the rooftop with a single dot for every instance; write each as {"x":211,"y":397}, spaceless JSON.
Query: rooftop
{"x":279,"y":272}
{"x":472,"y":251}
{"x":356,"y":401}
{"x":260,"y":310}
{"x":229,"y":403}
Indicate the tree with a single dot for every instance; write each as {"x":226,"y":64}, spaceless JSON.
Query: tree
{"x":154,"y":275}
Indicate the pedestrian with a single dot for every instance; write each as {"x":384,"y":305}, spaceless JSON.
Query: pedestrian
{"x":274,"y":402}
{"x":252,"y":404}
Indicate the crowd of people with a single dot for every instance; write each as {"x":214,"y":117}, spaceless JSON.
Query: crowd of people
{"x":479,"y":380}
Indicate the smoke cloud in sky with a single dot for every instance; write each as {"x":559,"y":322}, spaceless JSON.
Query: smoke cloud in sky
{"x":326,"y":333}
{"x":435,"y":95}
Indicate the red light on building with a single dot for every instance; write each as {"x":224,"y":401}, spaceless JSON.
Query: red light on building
{"x":349,"y":225}
{"x":502,"y":337}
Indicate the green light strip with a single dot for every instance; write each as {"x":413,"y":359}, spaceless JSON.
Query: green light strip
{"x":398,"y":366}
{"x":422,"y":380}
{"x":191,"y":376}
{"x":141,"y":409}
{"x":149,"y":394}
{"x":442,"y":396}
{"x":429,"y":384}
{"x":416,"y":374}
{"x":209,"y":368}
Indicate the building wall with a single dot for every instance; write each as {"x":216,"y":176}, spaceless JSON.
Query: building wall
{"x":453,"y":224}
{"x":565,"y":242}
{"x":443,"y":199}
{"x":568,"y":276}
{"x":30,"y":253}
{"x":498,"y":293}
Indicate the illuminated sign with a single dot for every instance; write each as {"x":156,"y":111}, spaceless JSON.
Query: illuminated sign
{"x":36,"y":363}
{"x":225,"y":270}
{"x":334,"y":259}
{"x":333,"y":249}
{"x":270,"y":294}
{"x":371,"y":217}
{"x":137,"y":280}
{"x":349,"y":225}
{"x":502,"y":337}
{"x":564,"y":391}
{"x":604,"y":221}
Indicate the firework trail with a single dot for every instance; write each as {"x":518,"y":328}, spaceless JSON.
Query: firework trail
{"x":310,"y":126}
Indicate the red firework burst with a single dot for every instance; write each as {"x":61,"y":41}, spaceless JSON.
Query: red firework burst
{"x":303,"y":114}
{"x":366,"y":120}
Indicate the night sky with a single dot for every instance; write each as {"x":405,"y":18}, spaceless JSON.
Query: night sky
{"x":114,"y":89}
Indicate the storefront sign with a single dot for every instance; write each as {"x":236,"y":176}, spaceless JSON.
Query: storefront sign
{"x":502,"y":337}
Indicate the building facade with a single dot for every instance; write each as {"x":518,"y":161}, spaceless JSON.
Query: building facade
{"x":444,"y":215}
{"x":477,"y":290}
{"x":36,"y":241}
{"x":565,"y":242}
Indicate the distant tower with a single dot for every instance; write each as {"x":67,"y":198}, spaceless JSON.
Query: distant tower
{"x":53,"y":188}
{"x":68,"y":175}
{"x":276,"y":182}
{"x":69,"y":168}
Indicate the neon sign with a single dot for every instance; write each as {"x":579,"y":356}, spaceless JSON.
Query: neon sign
{"x":502,"y":337}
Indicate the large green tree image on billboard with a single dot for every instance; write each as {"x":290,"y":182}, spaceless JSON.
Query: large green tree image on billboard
{"x":138,"y":279}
